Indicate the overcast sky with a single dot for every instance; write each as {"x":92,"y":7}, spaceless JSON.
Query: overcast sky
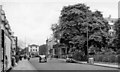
{"x":30,"y":20}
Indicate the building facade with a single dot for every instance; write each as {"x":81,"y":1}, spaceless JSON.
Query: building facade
{"x":50,"y":42}
{"x":6,"y":42}
{"x":1,"y":49}
{"x":33,"y":50}
{"x":111,"y":22}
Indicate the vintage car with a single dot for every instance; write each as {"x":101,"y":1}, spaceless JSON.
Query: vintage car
{"x":42,"y":58}
{"x":69,"y":59}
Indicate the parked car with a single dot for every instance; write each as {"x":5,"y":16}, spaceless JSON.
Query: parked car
{"x":69,"y":59}
{"x":42,"y":58}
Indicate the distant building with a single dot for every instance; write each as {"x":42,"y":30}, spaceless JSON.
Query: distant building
{"x":111,"y":22}
{"x":50,"y":42}
{"x":55,"y":48}
{"x":111,"y":30}
{"x":33,"y":49}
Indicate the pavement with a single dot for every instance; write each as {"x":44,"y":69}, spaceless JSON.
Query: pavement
{"x":0,"y":68}
{"x":24,"y":65}
{"x":99,"y":64}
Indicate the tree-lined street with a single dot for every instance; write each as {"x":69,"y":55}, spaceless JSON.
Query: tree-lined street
{"x":79,"y":35}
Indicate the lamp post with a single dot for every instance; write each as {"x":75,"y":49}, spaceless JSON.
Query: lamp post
{"x":87,"y":45}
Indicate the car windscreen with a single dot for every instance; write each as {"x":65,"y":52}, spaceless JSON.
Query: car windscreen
{"x":42,"y":56}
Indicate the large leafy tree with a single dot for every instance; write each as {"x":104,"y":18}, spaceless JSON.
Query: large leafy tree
{"x":43,"y":49}
{"x":73,"y":24}
{"x":117,"y":28}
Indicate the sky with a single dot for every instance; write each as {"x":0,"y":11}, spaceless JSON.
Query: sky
{"x":31,"y":20}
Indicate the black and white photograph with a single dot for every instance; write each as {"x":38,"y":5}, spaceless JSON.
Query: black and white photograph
{"x":59,"y":35}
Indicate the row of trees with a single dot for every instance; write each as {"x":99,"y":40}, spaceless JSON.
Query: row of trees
{"x":76,"y":21}
{"x":43,"y":49}
{"x":117,"y":29}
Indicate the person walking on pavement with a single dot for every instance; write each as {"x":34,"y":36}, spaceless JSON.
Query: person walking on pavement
{"x":20,"y":57}
{"x":6,"y":62}
{"x":28,"y":57}
{"x":13,"y":60}
{"x":40,"y":58}
{"x":25,"y":57}
{"x":17,"y":58}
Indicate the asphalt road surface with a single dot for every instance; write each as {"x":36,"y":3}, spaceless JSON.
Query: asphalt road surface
{"x":60,"y":64}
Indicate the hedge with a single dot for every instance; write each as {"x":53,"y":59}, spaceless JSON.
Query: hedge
{"x":106,"y":58}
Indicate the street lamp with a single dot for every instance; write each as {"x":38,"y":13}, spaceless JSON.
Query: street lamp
{"x":87,"y":45}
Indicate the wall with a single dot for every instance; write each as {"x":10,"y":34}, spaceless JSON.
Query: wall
{"x":6,"y":44}
{"x":8,"y":50}
{"x":1,"y":49}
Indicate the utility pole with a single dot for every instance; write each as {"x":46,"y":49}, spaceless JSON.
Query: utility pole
{"x":16,"y":44}
{"x":25,"y":45}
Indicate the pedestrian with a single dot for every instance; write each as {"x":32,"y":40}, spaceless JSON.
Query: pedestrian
{"x":6,"y":61}
{"x":40,"y":58}
{"x":25,"y":57}
{"x":20,"y":57}
{"x":17,"y":58}
{"x":13,"y":60}
{"x":28,"y":57}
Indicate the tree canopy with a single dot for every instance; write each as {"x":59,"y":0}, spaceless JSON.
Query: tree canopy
{"x":117,"y":29}
{"x":73,"y":24}
{"x":43,"y":49}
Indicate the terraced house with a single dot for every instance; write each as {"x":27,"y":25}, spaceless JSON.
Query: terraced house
{"x":7,"y":42}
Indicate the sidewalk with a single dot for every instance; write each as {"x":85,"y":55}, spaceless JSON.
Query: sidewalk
{"x":24,"y":65}
{"x":99,"y":64}
{"x":0,"y":69}
{"x":1,"y":66}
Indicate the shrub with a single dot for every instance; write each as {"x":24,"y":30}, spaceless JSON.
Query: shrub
{"x":78,"y":55}
{"x":118,"y":59}
{"x":84,"y":58}
{"x":100,"y":58}
{"x":118,"y":52}
{"x":96,"y":58}
{"x":112,"y":58}
{"x":105,"y":59}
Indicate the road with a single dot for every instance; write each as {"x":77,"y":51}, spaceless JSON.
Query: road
{"x":60,"y":64}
